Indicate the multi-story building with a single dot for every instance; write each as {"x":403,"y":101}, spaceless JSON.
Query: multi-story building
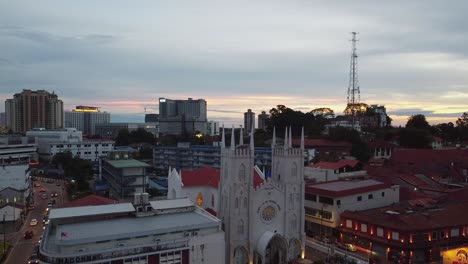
{"x":17,"y":150}
{"x":249,"y":121}
{"x":418,"y":231}
{"x":326,"y":201}
{"x":153,"y":232}
{"x":332,"y":171}
{"x":111,"y":130}
{"x":151,"y":118}
{"x":32,"y":109}
{"x":85,"y":118}
{"x":2,"y":119}
{"x":381,"y":112}
{"x":125,"y":176}
{"x":191,"y":157}
{"x":262,"y":120}
{"x":51,"y":142}
{"x":182,"y":116}
{"x":212,"y":128}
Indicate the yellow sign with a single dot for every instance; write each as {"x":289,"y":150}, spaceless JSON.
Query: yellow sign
{"x":455,"y":256}
{"x":200,"y":199}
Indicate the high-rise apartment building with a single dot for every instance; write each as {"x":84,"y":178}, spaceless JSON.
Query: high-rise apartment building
{"x":31,"y":109}
{"x":85,"y":118}
{"x":249,"y":120}
{"x":182,"y":116}
{"x":2,"y":119}
{"x":262,"y":119}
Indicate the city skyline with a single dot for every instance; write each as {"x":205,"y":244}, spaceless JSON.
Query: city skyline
{"x":237,"y":56}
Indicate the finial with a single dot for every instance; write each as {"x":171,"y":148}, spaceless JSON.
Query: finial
{"x":302,"y":139}
{"x":290,"y":137}
{"x":286,"y":138}
{"x":241,"y":137}
{"x":273,"y":142}
{"x":223,"y":143}
{"x":252,"y":146}
{"x":233,"y":141}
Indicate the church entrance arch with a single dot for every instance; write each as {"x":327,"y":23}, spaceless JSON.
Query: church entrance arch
{"x":241,"y":256}
{"x":272,"y":249}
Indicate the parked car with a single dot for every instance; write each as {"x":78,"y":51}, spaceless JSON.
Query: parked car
{"x":49,"y":204}
{"x":33,"y":222}
{"x":28,"y":234}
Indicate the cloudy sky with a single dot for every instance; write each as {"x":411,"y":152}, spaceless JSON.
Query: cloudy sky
{"x":124,"y":55}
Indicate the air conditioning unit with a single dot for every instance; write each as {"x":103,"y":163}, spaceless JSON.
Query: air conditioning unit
{"x":116,"y":157}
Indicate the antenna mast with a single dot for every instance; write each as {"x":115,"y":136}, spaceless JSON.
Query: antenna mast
{"x":354,"y":94}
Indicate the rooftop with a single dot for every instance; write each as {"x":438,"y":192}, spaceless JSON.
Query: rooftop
{"x":342,"y":188}
{"x":335,"y":165}
{"x":126,"y":163}
{"x":171,"y":204}
{"x":90,"y":200}
{"x":71,"y":212}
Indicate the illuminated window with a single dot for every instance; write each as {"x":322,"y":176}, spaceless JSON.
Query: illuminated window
{"x":395,"y":236}
{"x":364,"y":228}
{"x":349,"y":224}
{"x":454,"y":232}
{"x":379,"y":231}
{"x":200,"y":199}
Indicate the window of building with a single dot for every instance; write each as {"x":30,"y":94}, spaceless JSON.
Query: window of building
{"x":442,"y":234}
{"x":326,"y":215}
{"x":326,"y":200}
{"x":454,"y":232}
{"x":364,"y":228}
{"x":434,"y":235}
{"x":78,"y":145}
{"x":370,"y":196}
{"x":383,"y":194}
{"x":359,"y":198}
{"x":395,"y":236}
{"x":310,"y":211}
{"x":349,"y":223}
{"x":311,"y":197}
{"x":338,"y":202}
{"x":379,"y":231}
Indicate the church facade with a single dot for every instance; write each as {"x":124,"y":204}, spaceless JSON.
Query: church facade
{"x":262,"y":217}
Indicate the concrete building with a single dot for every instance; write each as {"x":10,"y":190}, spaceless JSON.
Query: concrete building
{"x":111,"y":130}
{"x":262,"y":215}
{"x":326,"y":201}
{"x":152,"y":232}
{"x":191,"y":157}
{"x":381,"y":113}
{"x":182,"y":116}
{"x":85,"y":118}
{"x":331,"y":171}
{"x":151,"y":118}
{"x":249,"y":121}
{"x":212,"y":128}
{"x":67,"y":135}
{"x":17,"y":150}
{"x":2,"y":119}
{"x":262,"y":120}
{"x":31,"y":109}
{"x":124,"y":175}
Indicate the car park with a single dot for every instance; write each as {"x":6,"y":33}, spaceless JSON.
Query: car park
{"x":28,"y":234}
{"x":33,"y":222}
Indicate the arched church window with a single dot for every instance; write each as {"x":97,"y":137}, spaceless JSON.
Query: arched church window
{"x":294,"y":170}
{"x":245,"y":202}
{"x":236,"y":203}
{"x":242,"y":173}
{"x":240,"y":227}
{"x":291,"y":200}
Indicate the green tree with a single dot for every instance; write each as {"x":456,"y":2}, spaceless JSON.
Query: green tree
{"x":415,"y":138}
{"x":324,"y":112}
{"x":123,"y":138}
{"x":418,"y":122}
{"x":361,"y":151}
{"x":462,"y":121}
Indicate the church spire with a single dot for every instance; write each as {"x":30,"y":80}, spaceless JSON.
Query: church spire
{"x":302,"y":139}
{"x":223,"y":143}
{"x":286,"y":138}
{"x":273,"y":142}
{"x":233,"y":141}
{"x":290,"y":137}
{"x":241,"y":137}
{"x":252,"y":146}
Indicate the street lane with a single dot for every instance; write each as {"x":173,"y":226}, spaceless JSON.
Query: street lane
{"x":23,"y":248}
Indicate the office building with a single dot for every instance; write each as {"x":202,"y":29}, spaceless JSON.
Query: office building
{"x":33,"y":109}
{"x":2,"y":119}
{"x":151,"y":118}
{"x":182,"y":117}
{"x":151,"y":232}
{"x":212,"y":128}
{"x":85,"y":118}
{"x":125,"y":176}
{"x":111,"y":130}
{"x":262,"y":120}
{"x":249,"y":121}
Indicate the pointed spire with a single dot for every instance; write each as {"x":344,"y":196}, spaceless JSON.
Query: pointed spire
{"x":223,"y":141}
{"x":302,"y":139}
{"x":286,"y":138}
{"x":273,"y":142}
{"x":252,"y":146}
{"x":290,"y":137}
{"x":241,"y":137}
{"x":233,"y":141}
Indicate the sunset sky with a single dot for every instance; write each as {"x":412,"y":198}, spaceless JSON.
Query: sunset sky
{"x":124,"y":55}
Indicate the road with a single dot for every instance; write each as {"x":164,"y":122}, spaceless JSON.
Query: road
{"x":332,"y":249}
{"x":23,"y":248}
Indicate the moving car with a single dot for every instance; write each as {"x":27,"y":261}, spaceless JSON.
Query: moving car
{"x":37,"y":185}
{"x":50,"y":181}
{"x":33,"y":258}
{"x":348,"y":247}
{"x":44,"y":196}
{"x":42,"y":190}
{"x":57,"y":184}
{"x":54,"y":194}
{"x":28,"y":234}
{"x":33,"y":222}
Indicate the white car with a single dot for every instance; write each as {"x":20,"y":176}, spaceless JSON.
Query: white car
{"x":33,"y":222}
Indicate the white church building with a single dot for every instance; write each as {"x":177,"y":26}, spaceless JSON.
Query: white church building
{"x":262,"y":217}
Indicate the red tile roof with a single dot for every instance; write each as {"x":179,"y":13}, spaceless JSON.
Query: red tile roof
{"x":90,"y":200}
{"x":335,"y":165}
{"x":208,"y":176}
{"x":407,"y":218}
{"x":340,"y":188}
